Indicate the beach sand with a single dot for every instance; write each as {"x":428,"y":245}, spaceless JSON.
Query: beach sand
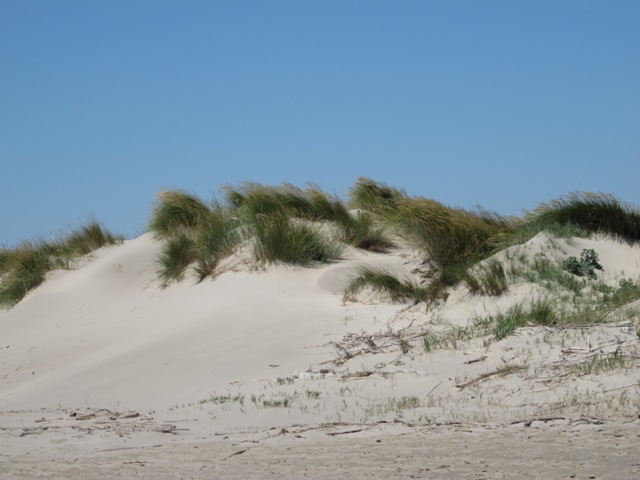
{"x":271,"y":372}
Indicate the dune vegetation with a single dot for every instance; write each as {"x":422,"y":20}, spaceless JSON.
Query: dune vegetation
{"x":25,"y":266}
{"x":278,"y":223}
{"x":307,"y":226}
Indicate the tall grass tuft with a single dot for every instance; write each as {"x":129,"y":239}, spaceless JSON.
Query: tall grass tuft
{"x":215,"y":239}
{"x":453,"y":238}
{"x":178,"y":253}
{"x":89,"y":237}
{"x":361,"y":231}
{"x":385,"y":282}
{"x":175,"y":212}
{"x":254,"y":201}
{"x":601,"y":213}
{"x":278,"y":238}
{"x":373,"y":196}
{"x":25,"y":267}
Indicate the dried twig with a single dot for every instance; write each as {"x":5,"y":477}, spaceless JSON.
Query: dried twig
{"x":527,"y":423}
{"x":476,"y":360}
{"x":484,"y":376}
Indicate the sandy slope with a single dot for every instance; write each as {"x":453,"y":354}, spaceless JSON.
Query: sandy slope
{"x":99,"y":364}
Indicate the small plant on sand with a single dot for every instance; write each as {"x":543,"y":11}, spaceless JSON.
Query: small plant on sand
{"x":539,"y":312}
{"x":385,"y":282}
{"x":551,"y":276}
{"x":585,"y":267}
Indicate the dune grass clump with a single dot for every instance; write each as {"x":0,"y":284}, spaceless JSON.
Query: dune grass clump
{"x":278,"y":238}
{"x":253,"y":201}
{"x":366,"y":194}
{"x":87,"y":238}
{"x":215,"y":239}
{"x":178,"y":254}
{"x":194,"y":233}
{"x":384,"y":282}
{"x":601,"y":213}
{"x":453,"y":238}
{"x":176,"y":212}
{"x":489,"y":278}
{"x":360,"y":230}
{"x":25,"y":267}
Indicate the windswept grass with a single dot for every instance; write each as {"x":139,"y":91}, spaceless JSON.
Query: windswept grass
{"x":386,"y":283}
{"x":284,"y":223}
{"x":176,"y":212}
{"x":194,"y":233}
{"x":25,"y":267}
{"x":87,"y":238}
{"x":361,"y":231}
{"x":253,"y":200}
{"x":282,"y":239}
{"x":601,"y":213}
{"x":453,"y":238}
{"x":375,"y":197}
{"x":178,"y":253}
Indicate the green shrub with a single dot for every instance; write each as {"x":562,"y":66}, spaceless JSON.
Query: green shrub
{"x":585,"y":267}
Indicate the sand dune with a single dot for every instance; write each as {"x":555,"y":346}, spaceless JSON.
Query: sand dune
{"x":101,"y":358}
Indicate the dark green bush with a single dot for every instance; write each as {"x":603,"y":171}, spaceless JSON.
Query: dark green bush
{"x":585,"y":267}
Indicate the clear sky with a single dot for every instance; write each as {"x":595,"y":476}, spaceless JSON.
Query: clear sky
{"x":499,"y":103}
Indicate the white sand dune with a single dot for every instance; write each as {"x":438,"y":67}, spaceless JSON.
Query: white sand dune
{"x":104,"y":358}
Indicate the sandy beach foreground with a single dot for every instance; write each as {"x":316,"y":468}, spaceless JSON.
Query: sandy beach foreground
{"x":274,"y":373}
{"x":558,"y":449}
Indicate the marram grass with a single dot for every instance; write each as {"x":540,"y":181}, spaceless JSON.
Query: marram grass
{"x":385,"y":282}
{"x":25,"y":267}
{"x":601,"y":213}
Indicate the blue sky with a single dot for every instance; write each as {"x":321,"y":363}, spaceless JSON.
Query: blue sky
{"x":499,"y":103}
